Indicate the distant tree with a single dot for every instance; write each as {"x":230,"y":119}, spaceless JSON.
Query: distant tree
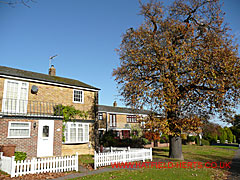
{"x":16,"y":2}
{"x":223,"y":135}
{"x":236,"y":128}
{"x":182,"y":63}
{"x":229,"y":134}
{"x":211,"y":131}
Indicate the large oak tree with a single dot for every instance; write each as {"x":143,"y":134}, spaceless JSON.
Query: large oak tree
{"x":182,"y":63}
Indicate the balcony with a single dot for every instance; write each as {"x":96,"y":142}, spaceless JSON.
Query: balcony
{"x":18,"y":107}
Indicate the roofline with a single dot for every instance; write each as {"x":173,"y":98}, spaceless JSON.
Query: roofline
{"x":48,"y":82}
{"x":135,"y":111}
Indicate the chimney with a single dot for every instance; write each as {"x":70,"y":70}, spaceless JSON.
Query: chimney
{"x":52,"y":71}
{"x":115,"y":104}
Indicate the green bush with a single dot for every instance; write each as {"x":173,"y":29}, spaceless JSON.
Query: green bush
{"x":164,"y":138}
{"x":191,"y":138}
{"x":197,"y":140}
{"x":205,"y":142}
{"x":20,"y":156}
{"x":145,"y":141}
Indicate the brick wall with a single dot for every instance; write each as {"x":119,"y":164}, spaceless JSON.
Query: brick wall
{"x":29,"y":145}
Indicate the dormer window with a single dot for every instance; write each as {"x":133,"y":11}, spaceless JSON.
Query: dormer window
{"x":78,"y":96}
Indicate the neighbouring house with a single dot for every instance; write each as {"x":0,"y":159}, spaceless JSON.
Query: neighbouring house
{"x":119,"y":119}
{"x":28,"y":119}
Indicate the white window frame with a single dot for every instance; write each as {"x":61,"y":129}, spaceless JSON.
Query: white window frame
{"x":113,"y":121}
{"x":100,"y":114}
{"x":82,"y":96}
{"x":132,"y":119}
{"x":85,"y":140}
{"x":18,"y":96}
{"x":9,"y":128}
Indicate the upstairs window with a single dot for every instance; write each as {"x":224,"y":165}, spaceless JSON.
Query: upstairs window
{"x":100,"y":116}
{"x":113,"y":120}
{"x":78,"y":96}
{"x":131,"y":119}
{"x":15,"y":96}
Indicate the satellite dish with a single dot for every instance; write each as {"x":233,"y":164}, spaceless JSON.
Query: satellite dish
{"x":34,"y":89}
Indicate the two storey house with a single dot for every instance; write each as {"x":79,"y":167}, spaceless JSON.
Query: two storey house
{"x":28,"y":117}
{"x":119,"y":119}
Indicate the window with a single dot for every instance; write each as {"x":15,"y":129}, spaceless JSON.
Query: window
{"x":100,"y":116}
{"x":131,"y":119}
{"x":15,"y":96}
{"x":76,"y":132}
{"x":78,"y":96}
{"x":113,"y":121}
{"x":19,"y":129}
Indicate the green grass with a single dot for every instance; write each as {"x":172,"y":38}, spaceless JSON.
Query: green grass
{"x":168,"y":174}
{"x":86,"y":159}
{"x":227,"y":147}
{"x":198,"y":153}
{"x":190,"y":153}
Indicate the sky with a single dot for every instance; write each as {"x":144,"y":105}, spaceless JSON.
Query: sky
{"x":84,"y":34}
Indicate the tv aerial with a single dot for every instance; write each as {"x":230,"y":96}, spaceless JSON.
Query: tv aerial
{"x":50,"y":59}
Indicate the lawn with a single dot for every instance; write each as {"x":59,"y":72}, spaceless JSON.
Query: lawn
{"x":192,"y":153}
{"x":86,"y":159}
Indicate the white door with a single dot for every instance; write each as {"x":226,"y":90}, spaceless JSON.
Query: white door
{"x":45,"y":138}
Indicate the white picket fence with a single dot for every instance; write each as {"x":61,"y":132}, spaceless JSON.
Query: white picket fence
{"x":133,"y":154}
{"x":41,"y":165}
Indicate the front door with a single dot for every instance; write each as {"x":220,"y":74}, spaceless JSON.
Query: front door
{"x":45,"y":138}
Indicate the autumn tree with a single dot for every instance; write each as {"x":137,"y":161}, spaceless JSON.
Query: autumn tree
{"x":181,"y":62}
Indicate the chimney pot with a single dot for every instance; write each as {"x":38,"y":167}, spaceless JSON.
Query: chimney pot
{"x":52,"y":71}
{"x":115,"y":104}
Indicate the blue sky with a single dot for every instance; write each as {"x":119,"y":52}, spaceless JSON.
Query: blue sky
{"x":84,"y":34}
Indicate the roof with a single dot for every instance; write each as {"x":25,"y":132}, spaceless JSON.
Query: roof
{"x":43,"y":77}
{"x":122,"y":110}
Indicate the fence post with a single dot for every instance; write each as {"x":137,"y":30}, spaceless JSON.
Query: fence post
{"x":151,"y":154}
{"x":128,"y":148}
{"x":13,"y":166}
{"x":76,"y":163}
{"x":1,"y":154}
{"x":124,"y":156}
{"x":95,"y":160}
{"x":111,"y":148}
{"x":33,"y":164}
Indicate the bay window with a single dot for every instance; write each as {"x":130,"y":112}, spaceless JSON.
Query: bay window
{"x":76,"y":132}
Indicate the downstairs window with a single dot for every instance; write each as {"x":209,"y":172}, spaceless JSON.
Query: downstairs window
{"x":76,"y":132}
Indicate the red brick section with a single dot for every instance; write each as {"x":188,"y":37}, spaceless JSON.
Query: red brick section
{"x":57,"y":141}
{"x":29,"y":145}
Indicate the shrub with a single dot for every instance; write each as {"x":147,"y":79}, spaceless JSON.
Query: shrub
{"x":164,"y":138}
{"x":191,"y":138}
{"x":19,"y":156}
{"x":205,"y":142}
{"x":197,"y":140}
{"x":145,"y":141}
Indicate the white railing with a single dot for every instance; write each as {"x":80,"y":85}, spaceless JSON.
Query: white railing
{"x":41,"y":165}
{"x":133,"y":154}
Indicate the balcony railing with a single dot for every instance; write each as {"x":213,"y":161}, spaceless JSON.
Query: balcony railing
{"x":29,"y":108}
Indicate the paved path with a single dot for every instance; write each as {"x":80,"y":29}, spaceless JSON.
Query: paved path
{"x":86,"y":172}
{"x":235,"y":167}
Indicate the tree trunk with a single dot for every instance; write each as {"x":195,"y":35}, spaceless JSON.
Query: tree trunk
{"x":175,"y":150}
